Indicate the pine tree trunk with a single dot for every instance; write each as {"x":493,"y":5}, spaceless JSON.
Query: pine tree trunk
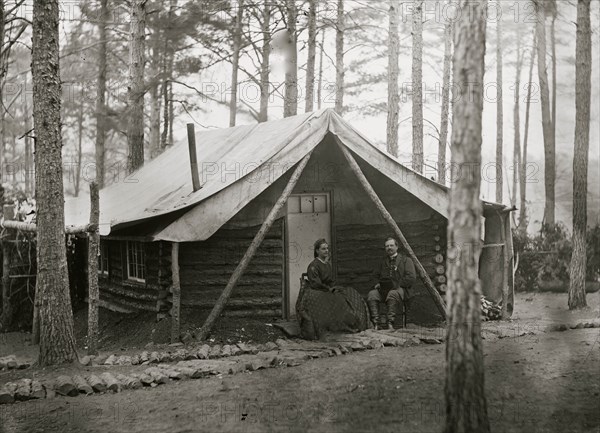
{"x":499,"y":114}
{"x":171,"y":113}
{"x":26,"y":114}
{"x":549,"y":147}
{"x":171,"y":106}
{"x":583,"y":90}
{"x":517,"y":122}
{"x":417,"y":86}
{"x":339,"y":58}
{"x":3,"y":65}
{"x":321,"y":51}
{"x":523,"y":166}
{"x":312,"y":53}
{"x":3,"y":69}
{"x":237,"y":46}
{"x":553,"y":48}
{"x":466,"y":406}
{"x":168,"y":74}
{"x":290,"y":102}
{"x":93,"y":291}
{"x":135,"y":87}
{"x":155,"y":100}
{"x":57,"y":342}
{"x":265,"y":67}
{"x":14,"y":158}
{"x":79,"y":143}
{"x":393,"y":70}
{"x":448,"y":34}
{"x":101,"y":96}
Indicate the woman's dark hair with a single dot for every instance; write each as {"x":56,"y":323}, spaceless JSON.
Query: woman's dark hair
{"x":318,"y":244}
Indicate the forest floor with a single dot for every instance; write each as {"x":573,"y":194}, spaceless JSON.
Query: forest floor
{"x":537,"y":380}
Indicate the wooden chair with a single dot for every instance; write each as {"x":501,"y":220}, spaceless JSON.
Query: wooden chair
{"x":403,"y":312}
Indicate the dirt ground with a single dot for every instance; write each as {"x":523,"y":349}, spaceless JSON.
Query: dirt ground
{"x":545,"y":382}
{"x":537,"y":383}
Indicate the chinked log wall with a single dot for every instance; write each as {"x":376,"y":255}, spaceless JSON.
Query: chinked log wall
{"x":359,"y":249}
{"x":131,"y":295}
{"x":205,"y":268}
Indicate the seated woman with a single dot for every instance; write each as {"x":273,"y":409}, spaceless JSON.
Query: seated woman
{"x":320,"y":274}
{"x":324,"y":307}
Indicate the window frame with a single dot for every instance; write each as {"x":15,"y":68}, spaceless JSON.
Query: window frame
{"x":140,"y":265}
{"x":103,"y":256}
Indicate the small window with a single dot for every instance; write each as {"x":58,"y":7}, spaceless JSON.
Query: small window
{"x":136,"y":267}
{"x":320,"y":203}
{"x":307,"y":203}
{"x":103,"y":258}
{"x":294,"y":204}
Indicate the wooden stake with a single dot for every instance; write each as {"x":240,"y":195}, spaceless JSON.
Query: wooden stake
{"x":439,"y":302}
{"x":503,"y":216}
{"x":93,"y":290}
{"x":176,"y":298}
{"x":241,"y":267}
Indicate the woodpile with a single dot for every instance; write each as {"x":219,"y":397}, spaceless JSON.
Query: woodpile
{"x":490,"y":310}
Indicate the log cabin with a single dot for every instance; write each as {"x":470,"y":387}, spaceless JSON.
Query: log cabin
{"x":209,"y":200}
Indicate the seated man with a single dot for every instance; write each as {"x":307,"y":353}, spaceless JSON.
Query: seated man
{"x":395,"y":275}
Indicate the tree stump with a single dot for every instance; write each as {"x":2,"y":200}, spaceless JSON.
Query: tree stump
{"x":64,"y":386}
{"x":37,"y":389}
{"x":203,"y":352}
{"x":158,"y":375}
{"x":146,"y":379}
{"x":82,"y":386}
{"x":129,"y":382}
{"x":112,"y":384}
{"x":226,"y":350}
{"x":7,"y":393}
{"x":154,"y":358}
{"x":23,"y":391}
{"x":96,"y":383}
{"x":215,"y":351}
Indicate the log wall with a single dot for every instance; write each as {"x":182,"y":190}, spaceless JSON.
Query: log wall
{"x":205,"y":269}
{"x":132,"y":295}
{"x":360,"y":250}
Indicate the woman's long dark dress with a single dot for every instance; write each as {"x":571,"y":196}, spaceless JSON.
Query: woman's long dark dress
{"x":319,"y":310}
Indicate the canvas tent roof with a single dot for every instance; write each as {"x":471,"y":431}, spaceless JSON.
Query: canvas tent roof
{"x":235,"y":165}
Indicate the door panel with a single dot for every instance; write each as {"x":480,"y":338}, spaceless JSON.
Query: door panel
{"x":308,"y":219}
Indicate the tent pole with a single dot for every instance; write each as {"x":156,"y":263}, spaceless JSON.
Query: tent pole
{"x":439,"y":302}
{"x":176,"y":295}
{"x":258,"y":238}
